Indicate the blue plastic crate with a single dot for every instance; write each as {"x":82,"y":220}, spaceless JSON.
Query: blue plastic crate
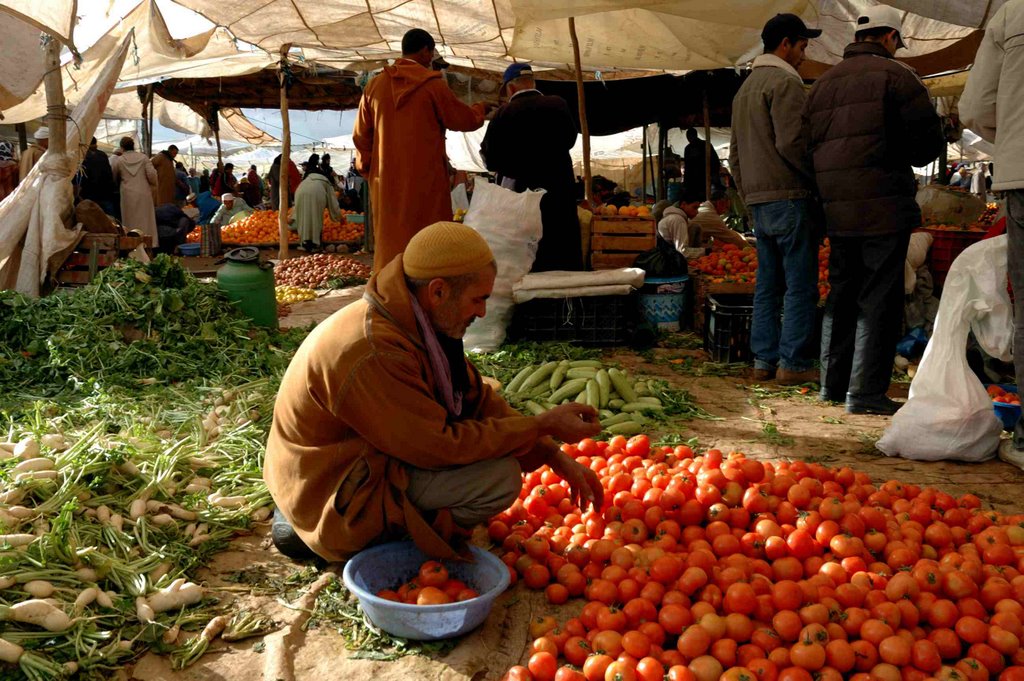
{"x":1009,"y":414}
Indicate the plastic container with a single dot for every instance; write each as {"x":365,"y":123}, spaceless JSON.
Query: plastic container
{"x":727,"y":322}
{"x":389,"y":565}
{"x":1009,"y":414}
{"x":946,"y":246}
{"x":355,"y":219}
{"x":587,"y":320}
{"x":189,"y":249}
{"x":663,"y":300}
{"x":250,"y":283}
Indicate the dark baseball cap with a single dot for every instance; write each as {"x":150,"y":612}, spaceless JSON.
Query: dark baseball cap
{"x":786,"y":26}
{"x":515,"y":71}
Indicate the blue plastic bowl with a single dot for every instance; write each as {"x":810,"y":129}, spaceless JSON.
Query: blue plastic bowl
{"x":189,"y":249}
{"x":389,"y":565}
{"x":1009,"y":414}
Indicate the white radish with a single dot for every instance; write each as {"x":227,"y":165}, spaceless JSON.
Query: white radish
{"x":36,"y":612}
{"x":178,"y":595}
{"x":105,"y":599}
{"x":26,"y":449}
{"x":198,"y":539}
{"x":128,"y":468}
{"x":214,"y":627}
{"x":163,"y":520}
{"x":171,"y":635}
{"x":39,"y":463}
{"x":117,"y":521}
{"x":195,"y":488}
{"x":17,"y":539}
{"x":7,"y":582}
{"x":226,"y":502}
{"x":38,"y":588}
{"x":54,"y":441}
{"x":36,"y":475}
{"x":87,"y":574}
{"x":10,"y":652}
{"x":157,"y":573}
{"x":7,"y":447}
{"x":22,"y":512}
{"x":103,"y":514}
{"x":86,"y":598}
{"x":70,"y":668}
{"x":12,"y":496}
{"x":190,"y":529}
{"x":137,"y":509}
{"x":261,"y":514}
{"x":124,"y":644}
{"x":144,"y":611}
{"x":181,"y":513}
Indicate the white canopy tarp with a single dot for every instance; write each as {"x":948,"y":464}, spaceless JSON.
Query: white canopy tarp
{"x":56,"y":17}
{"x":32,"y":217}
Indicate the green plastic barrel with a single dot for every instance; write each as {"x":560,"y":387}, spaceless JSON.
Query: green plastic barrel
{"x":250,"y":284}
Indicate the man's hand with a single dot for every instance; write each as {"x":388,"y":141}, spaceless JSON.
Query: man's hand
{"x":584,"y":485}
{"x":570,"y":422}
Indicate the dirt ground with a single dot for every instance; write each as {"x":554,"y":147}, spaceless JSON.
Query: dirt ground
{"x":798,"y":427}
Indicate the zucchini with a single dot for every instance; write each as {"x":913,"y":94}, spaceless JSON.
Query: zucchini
{"x":625,"y":428}
{"x":568,"y":389}
{"x":585,"y":363}
{"x":647,"y":399}
{"x":640,"y":406}
{"x":538,"y":391}
{"x":559,"y":374}
{"x":618,"y":418}
{"x":616,"y":403}
{"x":514,"y":384}
{"x":604,"y":384}
{"x":534,"y":408}
{"x":587,"y":373}
{"x":640,"y":388}
{"x":538,"y":376}
{"x":582,"y":397}
{"x":622,"y":385}
{"x":593,"y":394}
{"x":605,"y":414}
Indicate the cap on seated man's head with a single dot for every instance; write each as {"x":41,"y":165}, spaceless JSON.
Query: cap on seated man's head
{"x":446,"y":249}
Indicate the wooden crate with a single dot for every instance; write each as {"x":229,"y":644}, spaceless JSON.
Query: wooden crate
{"x":93,"y":253}
{"x":617,"y":241}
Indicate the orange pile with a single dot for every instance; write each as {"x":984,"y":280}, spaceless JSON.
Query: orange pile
{"x":1002,"y":396}
{"x":728,"y":262}
{"x":625,"y":211}
{"x":259,"y":228}
{"x":341,"y":231}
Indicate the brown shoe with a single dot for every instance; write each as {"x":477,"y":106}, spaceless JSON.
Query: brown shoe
{"x":787,"y":377}
{"x":764,"y":375}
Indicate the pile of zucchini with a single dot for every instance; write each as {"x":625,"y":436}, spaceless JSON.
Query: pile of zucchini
{"x":620,"y":400}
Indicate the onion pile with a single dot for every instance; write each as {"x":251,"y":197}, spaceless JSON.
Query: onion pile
{"x":315,"y":271}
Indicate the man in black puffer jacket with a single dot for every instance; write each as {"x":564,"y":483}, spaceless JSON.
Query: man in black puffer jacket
{"x":870,"y":121}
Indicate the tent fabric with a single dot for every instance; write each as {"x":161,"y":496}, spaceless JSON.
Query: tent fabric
{"x":22,"y":39}
{"x":56,"y":17}
{"x":32,"y":229}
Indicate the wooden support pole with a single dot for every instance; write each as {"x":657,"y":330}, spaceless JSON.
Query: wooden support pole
{"x":286,"y":150}
{"x":152,"y":98}
{"x":22,"y":136}
{"x":56,"y":113}
{"x":708,"y":148}
{"x":643,"y":162}
{"x":584,"y":128}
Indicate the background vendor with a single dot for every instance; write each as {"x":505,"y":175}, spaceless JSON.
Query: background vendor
{"x":382,"y":427}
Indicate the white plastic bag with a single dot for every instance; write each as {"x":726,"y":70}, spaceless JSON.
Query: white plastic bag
{"x":460,"y":198}
{"x":511,"y":224}
{"x":949,"y":415}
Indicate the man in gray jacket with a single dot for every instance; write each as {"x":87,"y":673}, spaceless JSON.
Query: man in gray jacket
{"x":994,"y":92}
{"x":771,"y":164}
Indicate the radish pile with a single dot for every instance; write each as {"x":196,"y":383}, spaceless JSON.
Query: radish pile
{"x":721,"y":567}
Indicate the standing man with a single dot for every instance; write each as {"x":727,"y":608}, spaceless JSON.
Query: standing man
{"x":166,"y":174}
{"x":771,"y":165}
{"x":194,"y":182}
{"x":34,"y":152}
{"x":995,"y":89}
{"x":694,"y":170}
{"x":870,"y":122}
{"x":527,"y":144}
{"x":399,"y":140}
{"x":97,"y":179}
{"x":134,"y":174}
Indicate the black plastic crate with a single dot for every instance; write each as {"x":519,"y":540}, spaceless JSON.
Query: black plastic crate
{"x":587,"y":320}
{"x":727,"y":322}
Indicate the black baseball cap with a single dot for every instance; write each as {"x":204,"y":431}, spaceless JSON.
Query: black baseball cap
{"x":783,"y":26}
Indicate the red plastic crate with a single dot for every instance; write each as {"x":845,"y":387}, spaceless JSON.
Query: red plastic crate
{"x":946,"y":246}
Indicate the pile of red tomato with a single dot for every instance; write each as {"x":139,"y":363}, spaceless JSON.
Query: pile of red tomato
{"x":1002,"y":396}
{"x":700,"y":568}
{"x":432,"y":585}
{"x":728,"y":263}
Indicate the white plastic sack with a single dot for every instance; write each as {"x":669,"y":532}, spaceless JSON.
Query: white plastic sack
{"x":917,"y":253}
{"x":460,"y":199}
{"x":949,"y":415}
{"x":511,"y":224}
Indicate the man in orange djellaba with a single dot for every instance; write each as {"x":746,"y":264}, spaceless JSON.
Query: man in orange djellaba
{"x":399,"y":140}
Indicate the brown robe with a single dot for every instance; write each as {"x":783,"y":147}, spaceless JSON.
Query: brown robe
{"x":358,"y":402}
{"x":166,"y":178}
{"x":399,"y":140}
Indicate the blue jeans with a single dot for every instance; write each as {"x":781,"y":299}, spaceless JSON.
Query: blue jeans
{"x":787,"y":277}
